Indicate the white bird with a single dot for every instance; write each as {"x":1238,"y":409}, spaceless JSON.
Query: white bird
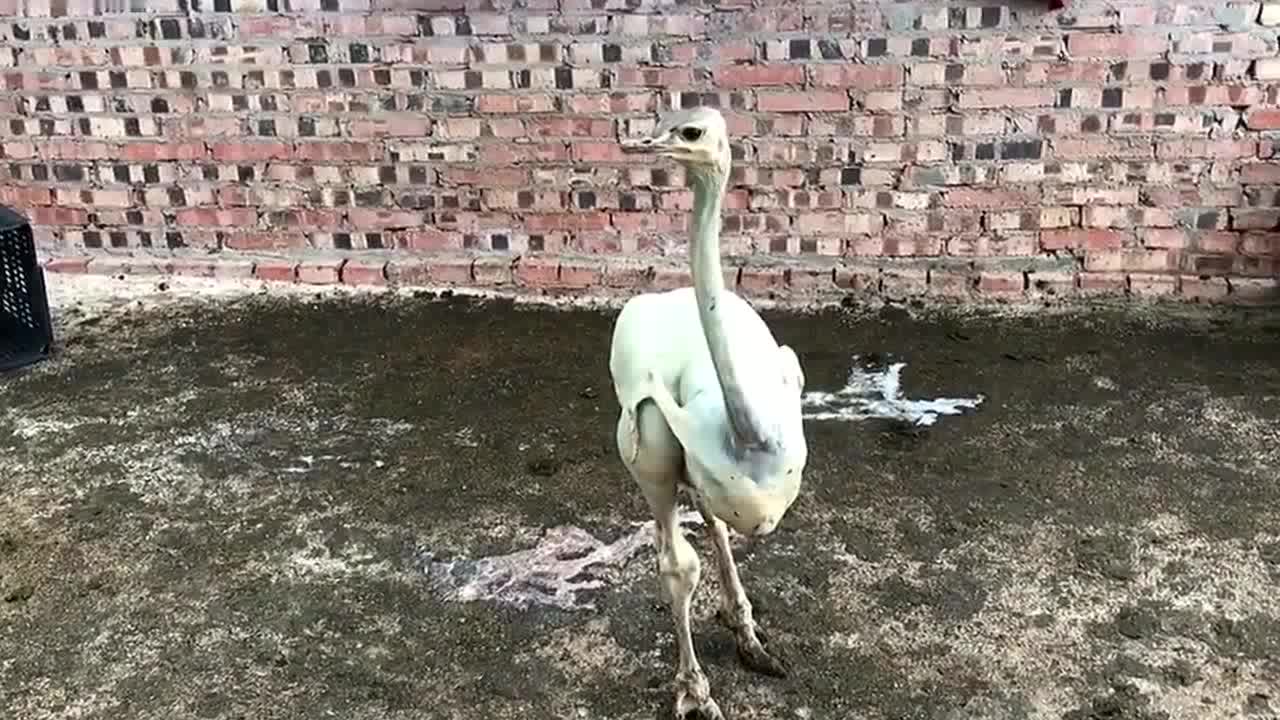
{"x":710,"y":403}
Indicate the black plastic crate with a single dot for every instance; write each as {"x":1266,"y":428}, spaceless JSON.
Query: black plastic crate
{"x":26,"y":330}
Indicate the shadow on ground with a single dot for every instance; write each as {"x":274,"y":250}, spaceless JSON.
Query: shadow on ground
{"x":231,"y":510}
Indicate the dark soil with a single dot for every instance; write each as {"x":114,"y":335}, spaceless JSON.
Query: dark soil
{"x":220,"y":511}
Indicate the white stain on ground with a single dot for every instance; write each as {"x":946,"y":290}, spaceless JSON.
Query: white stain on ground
{"x":564,"y":564}
{"x":870,"y":394}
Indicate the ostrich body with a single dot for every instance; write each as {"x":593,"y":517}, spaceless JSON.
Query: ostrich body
{"x":710,"y":403}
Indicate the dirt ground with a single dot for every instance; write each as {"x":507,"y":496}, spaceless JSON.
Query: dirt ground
{"x":264,"y":505}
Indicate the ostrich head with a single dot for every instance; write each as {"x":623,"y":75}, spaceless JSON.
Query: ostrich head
{"x":696,"y":138}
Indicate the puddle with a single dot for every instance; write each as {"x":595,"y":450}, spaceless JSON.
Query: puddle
{"x":871,"y":393}
{"x":566,"y":563}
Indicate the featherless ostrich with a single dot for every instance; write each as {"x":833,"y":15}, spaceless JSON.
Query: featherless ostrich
{"x":710,"y":403}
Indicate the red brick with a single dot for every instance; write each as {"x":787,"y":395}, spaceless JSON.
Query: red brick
{"x":153,"y":151}
{"x":1204,"y":288}
{"x":305,"y":217}
{"x":248,"y":152}
{"x":362,"y":219}
{"x":1255,"y":291}
{"x":569,"y":127}
{"x":222,"y":217}
{"x":839,"y":223}
{"x":571,"y":222}
{"x":1255,"y":219}
{"x":668,"y":277}
{"x":1083,"y":239}
{"x":538,"y":272}
{"x":489,"y":177}
{"x":1153,"y":284}
{"x":364,"y":272}
{"x":391,"y":126}
{"x":736,"y":76}
{"x":761,"y":280}
{"x":256,"y":240}
{"x":23,"y":197}
{"x":619,"y":273}
{"x":662,"y":77}
{"x":68,"y":265}
{"x":1060,"y":284}
{"x":540,"y":153}
{"x":1263,"y":118}
{"x":429,"y":239}
{"x":1172,"y":238}
{"x":1114,"y":45}
{"x":276,"y":270}
{"x":1264,"y":172}
{"x":493,"y":271}
{"x":320,"y":151}
{"x":1008,"y":97}
{"x":1104,"y":283}
{"x":580,"y":275}
{"x":540,"y":165}
{"x":1116,"y":260}
{"x":1217,"y":242}
{"x":116,"y":265}
{"x":859,"y":77}
{"x":410,"y":271}
{"x":951,"y":283}
{"x":904,"y":282}
{"x":597,"y":152}
{"x":795,"y":101}
{"x":1089,"y":149}
{"x":192,"y":267}
{"x":275,"y":26}
{"x":1261,"y":243}
{"x":993,"y":282}
{"x":515,"y":103}
{"x":322,"y":272}
{"x":1217,"y":149}
{"x":989,"y":198}
{"x":1188,"y":197}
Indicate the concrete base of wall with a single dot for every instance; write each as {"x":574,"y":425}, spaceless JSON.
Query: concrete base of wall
{"x":784,"y":284}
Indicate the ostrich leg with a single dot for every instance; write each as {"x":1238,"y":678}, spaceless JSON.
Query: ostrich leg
{"x":654,"y":459}
{"x":735,"y":608}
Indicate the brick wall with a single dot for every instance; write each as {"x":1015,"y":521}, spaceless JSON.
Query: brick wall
{"x":953,"y":148}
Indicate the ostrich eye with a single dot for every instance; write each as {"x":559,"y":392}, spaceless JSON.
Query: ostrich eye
{"x":691,"y":133}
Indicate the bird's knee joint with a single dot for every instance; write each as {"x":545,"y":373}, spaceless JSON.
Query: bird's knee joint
{"x":680,"y":567}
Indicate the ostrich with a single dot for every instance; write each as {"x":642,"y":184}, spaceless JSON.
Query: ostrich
{"x":710,"y":403}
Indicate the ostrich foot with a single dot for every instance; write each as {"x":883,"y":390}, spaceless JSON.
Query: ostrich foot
{"x":693,"y":697}
{"x":751,"y":640}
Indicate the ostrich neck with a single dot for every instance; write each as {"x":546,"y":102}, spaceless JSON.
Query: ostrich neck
{"x":704,"y":250}
{"x":708,"y":288}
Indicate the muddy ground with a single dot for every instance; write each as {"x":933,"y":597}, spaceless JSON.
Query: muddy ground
{"x":265,"y":506}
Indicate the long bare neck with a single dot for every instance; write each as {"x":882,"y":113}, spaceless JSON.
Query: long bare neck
{"x":708,"y":288}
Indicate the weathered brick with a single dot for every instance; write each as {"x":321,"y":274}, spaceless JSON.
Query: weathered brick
{"x":1111,"y":45}
{"x":1008,"y":98}
{"x":989,"y":198}
{"x":1153,"y":284}
{"x":1116,"y":260}
{"x":72,"y":265}
{"x":1207,"y":289}
{"x":812,"y":101}
{"x":735,"y":76}
{"x":860,"y":77}
{"x":995,"y":282}
{"x":1080,"y":238}
{"x":875,"y":131}
{"x":276,"y":270}
{"x":320,"y":272}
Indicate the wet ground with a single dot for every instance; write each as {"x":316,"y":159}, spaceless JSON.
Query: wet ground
{"x":308,"y":507}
